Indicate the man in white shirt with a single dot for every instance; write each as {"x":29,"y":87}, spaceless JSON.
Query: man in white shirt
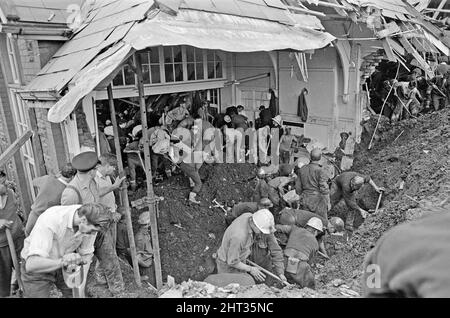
{"x":62,"y":236}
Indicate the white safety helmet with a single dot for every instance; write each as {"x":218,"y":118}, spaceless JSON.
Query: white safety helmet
{"x":315,"y":223}
{"x":278,"y":120}
{"x":264,"y":221}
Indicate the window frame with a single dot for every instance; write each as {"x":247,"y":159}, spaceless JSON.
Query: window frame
{"x":184,"y":63}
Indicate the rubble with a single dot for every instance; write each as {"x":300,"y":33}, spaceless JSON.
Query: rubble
{"x":195,"y":289}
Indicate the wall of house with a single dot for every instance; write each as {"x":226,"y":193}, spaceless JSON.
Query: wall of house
{"x":328,"y":113}
{"x":34,"y":55}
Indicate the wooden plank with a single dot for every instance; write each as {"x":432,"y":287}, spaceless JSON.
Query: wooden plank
{"x":424,"y":65}
{"x":124,"y":192}
{"x":148,"y":173}
{"x":14,"y":147}
{"x":390,"y":54}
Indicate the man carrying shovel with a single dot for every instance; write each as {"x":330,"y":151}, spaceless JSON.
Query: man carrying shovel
{"x":9,"y":221}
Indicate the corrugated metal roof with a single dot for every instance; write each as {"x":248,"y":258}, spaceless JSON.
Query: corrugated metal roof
{"x":107,"y":27}
{"x":224,"y":32}
{"x":38,"y":11}
{"x":231,"y":25}
{"x":273,"y":10}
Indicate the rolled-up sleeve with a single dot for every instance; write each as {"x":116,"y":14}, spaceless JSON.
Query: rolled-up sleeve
{"x":234,"y":251}
{"x":42,"y":242}
{"x":276,"y":253}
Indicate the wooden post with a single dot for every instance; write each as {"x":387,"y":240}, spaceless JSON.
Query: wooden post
{"x":124,"y":191}
{"x":14,"y":147}
{"x":148,"y":173}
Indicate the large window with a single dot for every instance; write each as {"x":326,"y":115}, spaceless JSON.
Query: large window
{"x":173,"y":64}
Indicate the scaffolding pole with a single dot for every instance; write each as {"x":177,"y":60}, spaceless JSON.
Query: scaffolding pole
{"x":152,"y":200}
{"x":124,"y":191}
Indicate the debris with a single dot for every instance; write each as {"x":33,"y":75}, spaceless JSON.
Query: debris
{"x":212,"y":236}
{"x":178,"y":225}
{"x":170,"y":281}
{"x":337,"y":282}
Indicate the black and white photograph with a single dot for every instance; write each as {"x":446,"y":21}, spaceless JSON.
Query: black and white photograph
{"x":223,"y":156}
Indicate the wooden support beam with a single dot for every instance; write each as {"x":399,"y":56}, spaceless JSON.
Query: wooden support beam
{"x":330,"y":5}
{"x":320,"y":14}
{"x":14,"y":147}
{"x":440,"y":6}
{"x":124,"y":192}
{"x":148,"y":172}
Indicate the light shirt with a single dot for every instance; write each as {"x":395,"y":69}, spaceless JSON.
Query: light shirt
{"x":237,"y":241}
{"x":3,"y":200}
{"x":108,"y":199}
{"x":87,"y":187}
{"x":53,"y":235}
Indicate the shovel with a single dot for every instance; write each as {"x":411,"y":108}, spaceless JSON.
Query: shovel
{"x":269,"y":273}
{"x":378,"y":202}
{"x":74,"y":279}
{"x":12,"y":250}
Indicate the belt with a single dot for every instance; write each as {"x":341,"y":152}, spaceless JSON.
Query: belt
{"x":290,"y":252}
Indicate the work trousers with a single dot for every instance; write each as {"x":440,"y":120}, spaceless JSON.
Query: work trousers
{"x":133,"y":163}
{"x":304,"y":276}
{"x":285,"y":156}
{"x":109,"y":262}
{"x":438,"y":101}
{"x":6,"y":266}
{"x":40,"y":285}
{"x":224,"y":268}
{"x":191,"y":171}
{"x":263,"y":145}
{"x":235,"y":149}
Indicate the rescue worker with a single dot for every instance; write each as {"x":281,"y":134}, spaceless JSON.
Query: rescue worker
{"x":263,"y":189}
{"x":133,"y":152}
{"x":144,"y":249}
{"x":300,"y":251}
{"x":240,"y":241}
{"x":10,"y":219}
{"x":345,"y":187}
{"x":62,"y":236}
{"x":83,"y":190}
{"x":334,"y":226}
{"x":248,"y":207}
{"x":411,"y":260}
{"x":312,"y":186}
{"x":50,"y":192}
{"x":286,"y":142}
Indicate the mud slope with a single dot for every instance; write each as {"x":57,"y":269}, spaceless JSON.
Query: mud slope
{"x":420,"y":158}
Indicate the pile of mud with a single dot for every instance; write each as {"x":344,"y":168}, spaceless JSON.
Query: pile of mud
{"x":415,"y":171}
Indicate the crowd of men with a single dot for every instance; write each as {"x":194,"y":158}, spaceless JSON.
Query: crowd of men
{"x":75,"y":219}
{"x":411,"y":95}
{"x":293,"y":200}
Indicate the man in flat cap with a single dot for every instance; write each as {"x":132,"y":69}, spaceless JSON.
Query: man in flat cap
{"x":83,"y":190}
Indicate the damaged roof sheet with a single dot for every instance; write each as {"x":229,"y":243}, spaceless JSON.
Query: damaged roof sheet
{"x":109,"y":22}
{"x":394,"y":9}
{"x":262,"y":24}
{"x":224,"y":32}
{"x":38,"y":11}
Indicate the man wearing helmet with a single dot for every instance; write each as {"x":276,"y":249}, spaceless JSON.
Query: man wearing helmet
{"x":251,"y":236}
{"x":300,"y":251}
{"x":345,"y":186}
{"x":301,"y":217}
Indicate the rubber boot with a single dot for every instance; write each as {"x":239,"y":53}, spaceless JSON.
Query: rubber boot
{"x":192,"y":198}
